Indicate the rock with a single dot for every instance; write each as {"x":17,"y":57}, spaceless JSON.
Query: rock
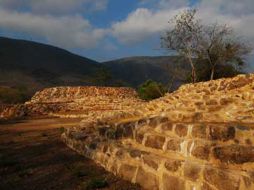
{"x":127,"y":172}
{"x":174,"y":145}
{"x":234,"y":154}
{"x":192,"y":171}
{"x":220,"y":179}
{"x":167,"y":126}
{"x":147,"y":179}
{"x":139,"y":137}
{"x":173,"y":183}
{"x":198,"y":137}
{"x":221,"y":133}
{"x":200,"y":150}
{"x":151,"y":161}
{"x":173,"y":165}
{"x":199,"y":131}
{"x":181,"y":130}
{"x":135,"y":153}
{"x":155,"y":141}
{"x":206,"y":186}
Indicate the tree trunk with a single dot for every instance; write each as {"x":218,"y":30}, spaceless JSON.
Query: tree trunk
{"x":212,"y":73}
{"x":171,"y":83}
{"x":193,"y":71}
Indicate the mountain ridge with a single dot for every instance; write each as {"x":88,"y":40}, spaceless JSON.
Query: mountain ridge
{"x":34,"y":66}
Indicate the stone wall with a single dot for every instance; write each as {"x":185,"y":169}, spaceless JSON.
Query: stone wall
{"x":85,"y":102}
{"x":12,"y":111}
{"x":159,"y":154}
{"x":224,"y":100}
{"x":198,"y":138}
{"x":74,"y":94}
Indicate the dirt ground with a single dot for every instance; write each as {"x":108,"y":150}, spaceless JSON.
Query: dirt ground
{"x":33,"y":157}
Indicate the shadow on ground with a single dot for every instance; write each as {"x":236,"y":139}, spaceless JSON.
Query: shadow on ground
{"x":32,"y":156}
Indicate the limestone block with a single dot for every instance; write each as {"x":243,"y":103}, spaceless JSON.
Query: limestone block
{"x":139,"y":137}
{"x":174,"y":145}
{"x":155,"y":141}
{"x":211,"y":102}
{"x":135,"y":153}
{"x":221,"y":179}
{"x":210,"y":124}
{"x":181,"y":130}
{"x":206,"y":186}
{"x":223,"y":133}
{"x":199,"y":149}
{"x":199,"y":131}
{"x":247,"y":183}
{"x":192,"y":170}
{"x":147,"y":180}
{"x":167,"y":126}
{"x":151,"y":161}
{"x":173,"y":165}
{"x":234,"y":154}
{"x":172,"y":183}
{"x":127,"y":172}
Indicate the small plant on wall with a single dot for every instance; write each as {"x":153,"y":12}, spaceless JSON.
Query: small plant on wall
{"x":151,"y":90}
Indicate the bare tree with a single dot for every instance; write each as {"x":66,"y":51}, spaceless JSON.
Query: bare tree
{"x":184,"y":37}
{"x":218,"y":46}
{"x":176,"y":73}
{"x":213,"y":44}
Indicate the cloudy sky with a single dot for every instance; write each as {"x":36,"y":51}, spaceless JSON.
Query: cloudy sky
{"x":109,"y":29}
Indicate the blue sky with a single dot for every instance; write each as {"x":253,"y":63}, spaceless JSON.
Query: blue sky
{"x":110,"y":29}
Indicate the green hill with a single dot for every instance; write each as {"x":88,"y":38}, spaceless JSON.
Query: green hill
{"x":28,"y":66}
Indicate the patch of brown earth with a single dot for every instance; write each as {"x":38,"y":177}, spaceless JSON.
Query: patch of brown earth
{"x":32,"y":156}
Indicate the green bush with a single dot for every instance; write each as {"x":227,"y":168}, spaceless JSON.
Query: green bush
{"x":151,"y":90}
{"x":13,"y":95}
{"x":203,"y":72}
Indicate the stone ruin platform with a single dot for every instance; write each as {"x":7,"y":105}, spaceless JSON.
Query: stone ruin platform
{"x":74,"y":102}
{"x":200,"y":137}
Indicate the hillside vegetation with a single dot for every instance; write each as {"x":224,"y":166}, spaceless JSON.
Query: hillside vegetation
{"x":36,"y":66}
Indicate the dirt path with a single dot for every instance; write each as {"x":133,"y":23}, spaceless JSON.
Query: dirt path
{"x":33,"y":157}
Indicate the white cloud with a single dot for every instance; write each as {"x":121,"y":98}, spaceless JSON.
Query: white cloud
{"x":60,"y":23}
{"x":141,"y":24}
{"x":54,"y":6}
{"x":173,"y":4}
{"x":144,"y":23}
{"x":64,"y":31}
{"x":232,"y":7}
{"x":238,"y":14}
{"x":165,"y":4}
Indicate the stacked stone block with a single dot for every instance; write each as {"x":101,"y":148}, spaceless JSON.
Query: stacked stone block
{"x":159,"y":154}
{"x":197,"y":138}
{"x":75,"y":102}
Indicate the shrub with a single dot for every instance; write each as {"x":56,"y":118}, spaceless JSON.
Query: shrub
{"x":222,"y":71}
{"x":13,"y":95}
{"x":151,"y":90}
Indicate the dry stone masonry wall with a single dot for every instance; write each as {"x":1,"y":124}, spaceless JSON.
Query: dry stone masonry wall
{"x":86,"y":102}
{"x":200,"y":137}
